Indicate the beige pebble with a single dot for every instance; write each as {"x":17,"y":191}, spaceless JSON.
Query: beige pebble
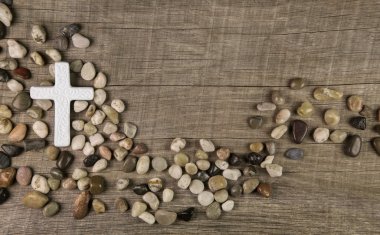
{"x":37,"y":58}
{"x":89,"y":129}
{"x":130,"y":129}
{"x":178,"y":144}
{"x":5,"y":111}
{"x":88,"y":149}
{"x":14,"y":85}
{"x":18,"y":133}
{"x":109,"y":128}
{"x":138,"y":208}
{"x":152,"y":200}
{"x":77,"y":125}
{"x":282,"y":116}
{"x":201,"y":155}
{"x":76,"y":66}
{"x":256,"y":147}
{"x":111,"y":113}
{"x":122,"y":184}
{"x":191,"y":168}
{"x":80,"y":41}
{"x":203,"y":165}
{"x":207,"y":145}
{"x":88,"y":71}
{"x":77,"y":143}
{"x":118,"y":105}
{"x":338,"y":136}
{"x":181,"y":159}
{"x":69,"y":184}
{"x":84,"y":183}
{"x":147,"y":218}
{"x":38,"y":34}
{"x":232,"y":174}
{"x":96,"y":139}
{"x":41,"y":129}
{"x":54,"y":54}
{"x":327,"y":94}
{"x":279,"y":131}
{"x":274,"y":170}
{"x":100,"y":97}
{"x":117,"y":136}
{"x":175,"y":171}
{"x":143,"y":164}
{"x":100,"y":165}
{"x":79,"y":173}
{"x":105,"y":152}
{"x":223,"y":165}
{"x":44,"y":104}
{"x":266,"y":106}
{"x":90,"y":110}
{"x":268,"y":160}
{"x":80,"y":105}
{"x":5,"y":126}
{"x":184,"y":181}
{"x":6,"y":16}
{"x":120,"y":154}
{"x":15,"y":49}
{"x":100,"y":80}
{"x":332,"y":117}
{"x":196,"y":186}
{"x":321,"y":134}
{"x":355,"y":103}
{"x":98,"y":206}
{"x":40,"y":184}
{"x":98,"y":117}
{"x":167,"y":195}
{"x":223,"y":153}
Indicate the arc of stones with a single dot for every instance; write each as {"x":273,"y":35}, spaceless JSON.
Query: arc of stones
{"x":62,"y":93}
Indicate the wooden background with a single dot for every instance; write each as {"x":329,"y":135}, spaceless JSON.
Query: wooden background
{"x":196,"y":69}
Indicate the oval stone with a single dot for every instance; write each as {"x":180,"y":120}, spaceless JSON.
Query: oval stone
{"x":165,"y":217}
{"x":50,"y":209}
{"x":186,"y":215}
{"x":90,"y":160}
{"x":22,"y":101}
{"x":216,"y":183}
{"x":299,"y":131}
{"x":353,"y":145}
{"x":5,"y":161}
{"x":35,"y":200}
{"x":4,"y":195}
{"x":255,"y":122}
{"x":97,"y":184}
{"x":294,"y":153}
{"x":80,"y":208}
{"x":64,"y":160}
{"x":24,"y":175}
{"x":376,"y":145}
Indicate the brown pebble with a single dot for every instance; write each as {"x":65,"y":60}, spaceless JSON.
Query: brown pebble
{"x":140,"y":148}
{"x":52,"y":152}
{"x":7,"y":177}
{"x":223,"y":153}
{"x":24,"y":175}
{"x":121,"y":205}
{"x":80,"y":208}
{"x":18,"y":133}
{"x":105,"y":152}
{"x":22,"y":72}
{"x":264,"y":189}
{"x":256,"y":147}
{"x":69,"y":184}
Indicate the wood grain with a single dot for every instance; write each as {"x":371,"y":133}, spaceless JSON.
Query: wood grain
{"x":196,"y":69}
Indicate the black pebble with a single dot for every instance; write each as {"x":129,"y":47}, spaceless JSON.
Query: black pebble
{"x":64,"y":160}
{"x":69,"y":30}
{"x":4,"y":76}
{"x":9,"y":3}
{"x":90,"y":160}
{"x":358,"y":122}
{"x":12,"y":150}
{"x":202,"y":176}
{"x":4,"y":195}
{"x":141,"y":189}
{"x":5,"y":161}
{"x":3,"y":31}
{"x":34,"y":144}
{"x":57,"y":173}
{"x":186,"y":215}
{"x":213,"y":170}
{"x":234,"y":160}
{"x":254,"y":158}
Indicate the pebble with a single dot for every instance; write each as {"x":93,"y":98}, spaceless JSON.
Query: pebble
{"x":268,"y":160}
{"x":141,"y":189}
{"x":279,"y":131}
{"x":79,"y":173}
{"x":196,"y":186}
{"x":294,"y":153}
{"x":4,"y":76}
{"x":200,"y":154}
{"x":35,"y":112}
{"x":353,"y":145}
{"x":175,"y":171}
{"x":130,"y":129}
{"x":100,"y":165}
{"x":147,"y":218}
{"x":54,"y":54}
{"x":122,"y":184}
{"x":34,"y":144}
{"x":129,"y":164}
{"x":77,"y":125}
{"x":5,"y":161}
{"x":69,"y":184}
{"x":78,"y":142}
{"x":159,"y":164}
{"x":7,"y":177}
{"x":97,"y":184}
{"x":155,"y":184}
{"x":228,"y":206}
{"x":282,"y":116}
{"x":256,"y":122}
{"x":118,"y":105}
{"x":80,"y":208}
{"x":254,"y":158}
{"x":14,"y":85}
{"x":376,"y":145}
{"x":111,"y":113}
{"x":90,"y":110}
{"x":64,"y":160}
{"x":216,"y":183}
{"x":234,"y":160}
{"x":213,"y":211}
{"x":297,"y":83}
{"x":250,"y":185}
{"x":51,"y":209}
{"x":264,"y":189}
{"x":266,"y":106}
{"x":321,"y":134}
{"x":116,"y":136}
{"x":88,"y":149}
{"x":186,"y":215}
{"x":22,"y":101}
{"x":54,"y":184}
{"x":18,"y":133}
{"x":37,"y":58}
{"x":202,"y":165}
{"x":256,"y":147}
{"x":249,"y":171}
{"x":202,"y":176}
{"x":5,"y":15}
{"x":338,"y":136}
{"x":376,"y":129}
{"x":332,"y":117}
{"x":359,"y":122}
{"x":39,"y":183}
{"x":223,"y":153}
{"x":80,"y":105}
{"x":207,"y":145}
{"x":305,"y":110}
{"x":191,"y":168}
{"x":232,"y":174}
{"x":96,"y":139}
{"x":178,"y":144}
{"x":327,"y":94}
{"x":8,"y":64}
{"x":98,"y":117}
{"x":126,"y":143}
{"x":69,"y":30}
{"x":236,"y":190}
{"x":205,"y":198}
{"x":88,"y":71}
{"x":140,"y":148}
{"x":355,"y":103}
{"x":152,"y":200}
{"x":109,"y":128}
{"x":181,"y":159}
{"x":167,"y":195}
{"x":76,"y":66}
{"x":121,"y":205}
{"x":44,"y":104}
{"x":100,"y":80}
{"x":164,"y":217}
{"x":98,"y":206}
{"x":35,"y":200}
{"x":142,"y":165}
{"x":24,"y":175}
{"x":3,"y":30}
{"x":278,"y":98}
{"x":184,"y":181}
{"x":366,"y":111}
{"x":270,"y":146}
{"x":52,"y":70}
{"x":100,"y":97}
{"x":5,"y":112}
{"x":61,"y":43}
{"x":84,"y":183}
{"x":138,"y":208}
{"x":120,"y":154}
{"x":299,"y":131}
{"x":89,"y":129}
{"x":274,"y":170}
{"x":57,"y":173}
{"x":221,"y":195}
{"x":80,"y":41}
{"x":223,"y":165}
{"x":15,"y":49}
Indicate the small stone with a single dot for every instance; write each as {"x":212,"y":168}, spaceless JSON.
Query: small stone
{"x":14,"y":85}
{"x":5,"y":161}
{"x":79,"y":173}
{"x":376,"y":145}
{"x":279,"y":131}
{"x":141,"y":189}
{"x":39,"y":183}
{"x":100,"y":80}
{"x":44,"y":104}
{"x":234,"y":160}
{"x":52,"y":70}
{"x":54,"y":54}
{"x":256,"y":147}
{"x":54,"y":184}
{"x":254,"y":158}
{"x":98,"y":117}
{"x":129,"y":164}
{"x":96,"y":139}
{"x":77,"y":143}
{"x":147,"y":217}
{"x":282,"y":116}
{"x":181,"y":159}
{"x":6,"y":14}
{"x":100,"y":165}
{"x":359,"y":122}
{"x":152,"y":200}
{"x":61,"y":43}
{"x":164,"y":217}
{"x":7,"y":177}
{"x":274,"y":170}
{"x":4,"y":76}
{"x":80,"y":41}
{"x":118,"y":105}
{"x":205,"y":198}
{"x":366,"y":111}
{"x":196,"y":186}
{"x":355,"y":103}
{"x":126,"y":143}
{"x":80,"y":208}
{"x":232,"y":174}
{"x":69,"y":30}
{"x":100,"y":97}
{"x":332,"y":117}
{"x":203,"y":165}
{"x":5,"y":112}
{"x":186,"y":215}
{"x":184,"y":181}
{"x":167,"y":195}
{"x":97,"y":184}
{"x":255,"y":122}
{"x":305,"y":110}
{"x":24,"y":175}
{"x":278,"y":98}
{"x":159,"y":164}
{"x":77,"y":125}
{"x":51,"y":209}
{"x":22,"y":101}
{"x":121,"y":205}
{"x":236,"y":190}
{"x":178,"y":144}
{"x":223,"y":165}
{"x":264,"y":189}
{"x":105,"y":152}
{"x":294,"y":153}
{"x":57,"y":173}
{"x":122,"y":184}
{"x":69,"y":184}
{"x":35,"y":200}
{"x":353,"y":145}
{"x":327,"y":94}
{"x":18,"y":133}
{"x":207,"y":145}
{"x":98,"y":206}
{"x":200,"y":154}
{"x":88,"y":149}
{"x":111,"y":113}
{"x":299,"y":131}
{"x":191,"y":168}
{"x":130,"y":129}
{"x":140,"y":148}
{"x":270,"y":146}
{"x":297,"y":83}
{"x":221,"y":195}
{"x":142,"y":165}
{"x":12,"y":150}
{"x":376,"y":129}
{"x":338,"y":136}
{"x":3,"y":28}
{"x":80,"y":105}
{"x":8,"y":64}
{"x":88,"y":71}
{"x":37,"y":58}
{"x":213,"y":211}
{"x":35,"y":112}
{"x":202,"y":176}
{"x":15,"y":49}
{"x":223,"y":153}
{"x":155,"y":184}
{"x":249,"y":171}
{"x":76,"y":66}
{"x":216,"y":183}
{"x":89,"y":129}
{"x":34,"y":144}
{"x":321,"y":134}
{"x":250,"y":185}
{"x":64,"y":160}
{"x":268,"y":160}
{"x":175,"y":171}
{"x":84,"y":183}
{"x":138,"y":208}
{"x":228,"y":205}
{"x":266,"y":106}
{"x":109,"y":128}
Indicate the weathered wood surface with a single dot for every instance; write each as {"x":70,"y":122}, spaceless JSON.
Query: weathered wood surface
{"x":196,"y":69}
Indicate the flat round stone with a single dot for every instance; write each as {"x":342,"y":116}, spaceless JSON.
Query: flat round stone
{"x":152,"y":200}
{"x":205,"y":198}
{"x":214,"y":211}
{"x":51,"y":209}
{"x":256,"y":147}
{"x":250,"y":185}
{"x":155,"y":184}
{"x":181,"y":159}
{"x":321,"y":134}
{"x":353,"y":145}
{"x":217,"y":182}
{"x":327,"y":94}
{"x":35,"y":200}
{"x":256,"y":122}
{"x":175,"y":171}
{"x":279,"y":131}
{"x":167,"y":195}
{"x":332,"y":117}
{"x":297,"y":83}
{"x":164,"y":217}
{"x":232,"y":174}
{"x":282,"y":116}
{"x":196,"y":186}
{"x":24,"y":175}
{"x":184,"y":181}
{"x":228,"y":205}
{"x":338,"y":136}
{"x":355,"y":103}
{"x":266,"y":106}
{"x":129,"y":164}
{"x":221,"y":195}
{"x":223,"y":153}
{"x":305,"y":110}
{"x":294,"y":153}
{"x":97,"y":184}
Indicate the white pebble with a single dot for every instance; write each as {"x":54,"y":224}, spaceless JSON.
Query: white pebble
{"x":228,"y":205}
{"x":184,"y":181}
{"x":122,"y":184}
{"x":96,"y":139}
{"x":88,"y":149}
{"x":100,"y":97}
{"x":44,"y":104}
{"x":142,"y":165}
{"x":98,"y":117}
{"x":207,"y":145}
{"x":78,"y":142}
{"x":178,"y":144}
{"x":109,"y":128}
{"x":232,"y":174}
{"x":274,"y":170}
{"x":54,"y":54}
{"x":167,"y":195}
{"x":84,"y":183}
{"x":100,"y":80}
{"x":79,"y":173}
{"x":152,"y":200}
{"x":321,"y":134}
{"x":283,"y":116}
{"x":14,"y":85}
{"x":80,"y":41}
{"x":15,"y":49}
{"x":130,"y":130}
{"x":8,"y":64}
{"x":223,"y":165}
{"x":205,"y":198}
{"x":203,"y":165}
{"x":41,"y":129}
{"x":88,"y":71}
{"x":37,"y":58}
{"x":278,"y":132}
{"x":147,"y":217}
{"x":196,"y":186}
{"x":268,"y":160}
{"x":266,"y":106}
{"x":38,"y":34}
{"x":40,"y":184}
{"x":5,"y":15}
{"x":100,"y":165}
{"x":77,"y":125}
{"x":118,"y":105}
{"x":175,"y":171}
{"x":80,"y":105}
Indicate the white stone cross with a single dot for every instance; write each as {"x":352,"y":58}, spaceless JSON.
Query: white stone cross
{"x":62,"y":93}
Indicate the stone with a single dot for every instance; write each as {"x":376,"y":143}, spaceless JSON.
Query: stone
{"x":140,"y":189}
{"x":353,"y":145}
{"x":282,"y":116}
{"x":338,"y":136}
{"x":6,"y":14}
{"x":76,"y":66}
{"x":274,"y":170}
{"x":159,"y":164}
{"x":167,"y":195}
{"x":321,"y":134}
{"x":140,"y":148}
{"x":3,"y":28}
{"x":5,"y":126}
{"x":4,"y":76}
{"x":202,"y":165}
{"x":100,"y":80}
{"x":152,"y":200}
{"x":223,"y":165}
{"x":5,"y":112}
{"x":12,"y":150}
{"x":256,"y":147}
{"x":122,"y":184}
{"x":54,"y":184}
{"x":61,"y":43}
{"x":294,"y":153}
{"x":250,"y":185}
{"x":200,"y":154}
{"x":118,"y":105}
{"x":181,"y":159}
{"x":35,"y":200}
{"x":79,"y":173}
{"x":264,"y":189}
{"x":109,"y":128}
{"x":249,"y":171}
{"x":186,"y":215}
{"x":270,"y":146}
{"x":178,"y":144}
{"x":376,"y":145}
{"x":80,"y":41}
{"x":37,"y":58}
{"x":35,"y":112}
{"x":64,"y":160}
{"x":254,"y":158}
{"x":88,"y":71}
{"x":121,"y":205}
{"x":80,"y":207}
{"x":142,"y":165}
{"x":232,"y":174}
{"x":358,"y":122}
{"x":207,"y":145}
{"x":228,"y":206}
{"x":138,"y":208}
{"x":216,"y":183}
{"x":51,"y":209}
{"x":14,"y":85}
{"x":355,"y":103}
{"x":4,"y":195}
{"x":18,"y":133}
{"x":96,"y":139}
{"x":77,"y":125}
{"x":39,"y":183}
{"x":205,"y":198}
{"x":126,"y":143}
{"x":268,"y":160}
{"x":175,"y":171}
{"x":130,"y":130}
{"x":236,"y":190}
{"x":7,"y":64}
{"x":376,"y":129}
{"x":5,"y":161}
{"x":116,"y":136}
{"x":278,"y":131}
{"x":15,"y":49}
{"x":52,"y":70}
{"x":52,"y":152}
{"x":98,"y":117}
{"x":297,"y":83}
{"x":69,"y":184}
{"x":105,"y":152}
{"x":221,"y":195}
{"x":80,"y":105}
{"x":98,"y":206}
{"x":234,"y":160}
{"x":223,"y":153}
{"x":57,"y":173}
{"x":256,"y":122}
{"x":327,"y":94}
{"x":53,"y":54}
{"x":97,"y":184}
{"x":100,"y":165}
{"x":78,"y":142}
{"x":366,"y":111}
{"x":202,"y":176}
{"x":147,"y":218}
{"x":7,"y":177}
{"x":22,"y":101}
{"x":111,"y":113}
{"x":69,"y":30}
{"x":84,"y":183}
{"x":299,"y":131}
{"x":196,"y":186}
{"x":129,"y":164}
{"x":266,"y":106}
{"x":213,"y":211}
{"x":155,"y":184}
{"x":100,"y":97}
{"x":184,"y":181}
{"x":278,"y":98}
{"x":191,"y":168}
{"x":34,"y":144}
{"x":305,"y":110}
{"x":89,"y":129}
{"x":24,"y":175}
{"x":44,"y":104}
{"x":164,"y":217}
{"x":332,"y":117}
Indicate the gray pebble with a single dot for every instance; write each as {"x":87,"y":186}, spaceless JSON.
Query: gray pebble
{"x":159,"y":164}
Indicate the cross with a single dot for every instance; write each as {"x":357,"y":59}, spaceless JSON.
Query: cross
{"x":62,"y":93}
